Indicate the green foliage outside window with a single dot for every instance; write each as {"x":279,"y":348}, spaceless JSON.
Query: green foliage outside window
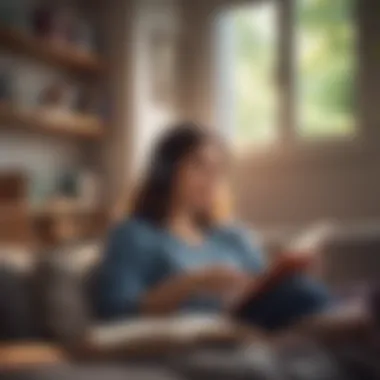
{"x":324,"y":33}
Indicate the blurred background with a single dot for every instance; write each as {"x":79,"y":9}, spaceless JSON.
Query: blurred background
{"x":86,"y":86}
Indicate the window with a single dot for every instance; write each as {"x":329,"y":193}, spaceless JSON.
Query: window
{"x":254,"y":69}
{"x":325,"y":65}
{"x":317,"y":66}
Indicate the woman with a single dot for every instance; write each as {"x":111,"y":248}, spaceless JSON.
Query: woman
{"x":172,"y":255}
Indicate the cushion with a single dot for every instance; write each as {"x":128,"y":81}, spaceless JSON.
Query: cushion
{"x":163,"y":335}
{"x":19,"y":258}
{"x":16,"y":313}
{"x":60,"y":301}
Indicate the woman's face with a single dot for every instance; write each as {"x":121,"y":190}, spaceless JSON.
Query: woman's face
{"x":199,"y":178}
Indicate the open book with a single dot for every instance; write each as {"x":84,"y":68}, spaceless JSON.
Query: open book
{"x":312,"y":239}
{"x":296,"y":258}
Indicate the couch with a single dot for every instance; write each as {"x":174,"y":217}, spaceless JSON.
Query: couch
{"x":51,"y":308}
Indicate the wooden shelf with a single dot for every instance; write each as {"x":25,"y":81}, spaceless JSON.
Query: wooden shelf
{"x":56,"y":211}
{"x":63,"y":55}
{"x":55,"y":225}
{"x":47,"y":122}
{"x":50,"y":224}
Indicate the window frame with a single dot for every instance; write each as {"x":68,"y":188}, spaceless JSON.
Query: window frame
{"x":287,"y":124}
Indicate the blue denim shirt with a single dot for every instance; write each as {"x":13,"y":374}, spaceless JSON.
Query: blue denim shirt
{"x":139,"y":256}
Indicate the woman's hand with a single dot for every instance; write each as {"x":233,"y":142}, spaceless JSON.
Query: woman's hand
{"x":220,"y":280}
{"x":303,"y":252}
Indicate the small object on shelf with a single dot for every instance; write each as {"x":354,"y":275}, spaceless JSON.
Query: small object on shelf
{"x":89,"y":100}
{"x":15,"y":226}
{"x":59,"y":95}
{"x":63,"y":219}
{"x":56,"y":24}
{"x":27,"y":84}
{"x":63,"y":26}
{"x":67,"y":186}
{"x":41,"y":186}
{"x":80,"y":186}
{"x":89,"y":189}
{"x":84,"y":36}
{"x":93,"y":100}
{"x":52,"y":95}
{"x":13,"y":186}
{"x":42,"y":21}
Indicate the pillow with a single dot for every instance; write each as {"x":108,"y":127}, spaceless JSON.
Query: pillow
{"x":80,"y":258}
{"x":19,"y":258}
{"x":161,"y":334}
{"x":16,"y":313}
{"x":61,"y":305}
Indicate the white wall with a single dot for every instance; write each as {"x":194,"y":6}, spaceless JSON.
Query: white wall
{"x":151,"y":118}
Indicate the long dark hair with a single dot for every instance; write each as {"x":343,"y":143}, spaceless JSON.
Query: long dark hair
{"x":155,"y":195}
